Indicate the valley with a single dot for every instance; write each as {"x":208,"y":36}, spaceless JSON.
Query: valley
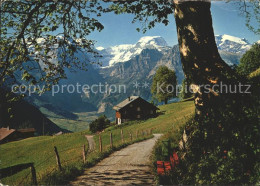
{"x":129,"y":92}
{"x":125,"y":65}
{"x":79,"y":124}
{"x":121,"y":65}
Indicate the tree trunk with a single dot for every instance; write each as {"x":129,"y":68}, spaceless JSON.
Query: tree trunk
{"x":4,"y":115}
{"x":201,"y":61}
{"x":165,"y":101}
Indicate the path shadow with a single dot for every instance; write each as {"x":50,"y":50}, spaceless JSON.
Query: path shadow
{"x":116,"y":177}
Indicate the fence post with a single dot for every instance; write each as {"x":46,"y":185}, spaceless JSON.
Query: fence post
{"x":34,"y":177}
{"x":57,"y":158}
{"x":84,"y":153}
{"x":111,"y":140}
{"x":136,"y":134}
{"x":100,"y":143}
{"x":131,"y":137}
{"x":122,"y":135}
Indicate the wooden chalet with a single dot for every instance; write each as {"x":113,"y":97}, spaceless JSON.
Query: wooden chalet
{"x":134,"y":108}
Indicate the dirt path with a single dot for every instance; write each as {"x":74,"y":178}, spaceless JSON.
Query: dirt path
{"x":91,"y":143}
{"x":127,"y":166}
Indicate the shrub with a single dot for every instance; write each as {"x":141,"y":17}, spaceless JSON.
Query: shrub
{"x":99,"y":124}
{"x":223,"y":148}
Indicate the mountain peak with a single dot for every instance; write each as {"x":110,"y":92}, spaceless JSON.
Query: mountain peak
{"x":226,"y":37}
{"x":125,"y":52}
{"x":232,"y":44}
{"x":152,"y":41}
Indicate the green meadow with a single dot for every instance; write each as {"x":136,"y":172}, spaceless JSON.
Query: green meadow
{"x":80,"y":124}
{"x":40,"y":150}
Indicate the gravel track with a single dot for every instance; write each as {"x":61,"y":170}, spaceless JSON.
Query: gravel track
{"x":91,"y":143}
{"x":128,"y":166}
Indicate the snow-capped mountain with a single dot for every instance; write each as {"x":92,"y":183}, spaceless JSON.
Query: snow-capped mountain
{"x":130,"y":63}
{"x":125,"y":52}
{"x":152,"y":41}
{"x":232,"y":44}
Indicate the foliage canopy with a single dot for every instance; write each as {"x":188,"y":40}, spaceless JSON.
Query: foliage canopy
{"x":41,"y":39}
{"x":164,"y":84}
{"x":32,"y":31}
{"x":250,"y":61}
{"x":99,"y":124}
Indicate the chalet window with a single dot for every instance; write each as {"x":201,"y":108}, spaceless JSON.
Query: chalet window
{"x":138,"y":109}
{"x":151,"y":112}
{"x":138,"y":116}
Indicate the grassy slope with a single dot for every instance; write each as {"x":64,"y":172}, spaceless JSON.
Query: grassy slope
{"x":172,"y":115}
{"x":40,"y":149}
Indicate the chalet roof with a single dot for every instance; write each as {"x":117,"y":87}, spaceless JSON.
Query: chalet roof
{"x":4,"y":132}
{"x":126,"y":102}
{"x":26,"y":130}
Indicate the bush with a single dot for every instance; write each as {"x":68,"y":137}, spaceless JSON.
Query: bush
{"x":99,"y":124}
{"x":223,"y":148}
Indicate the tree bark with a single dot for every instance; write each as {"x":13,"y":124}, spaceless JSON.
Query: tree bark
{"x":165,"y":101}
{"x":201,"y":61}
{"x":4,"y":115}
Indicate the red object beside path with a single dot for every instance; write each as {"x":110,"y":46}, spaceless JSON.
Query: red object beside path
{"x":165,"y":166}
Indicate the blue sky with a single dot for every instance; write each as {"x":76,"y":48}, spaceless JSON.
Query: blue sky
{"x":119,"y":29}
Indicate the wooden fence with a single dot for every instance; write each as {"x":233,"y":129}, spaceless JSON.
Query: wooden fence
{"x":9,"y":171}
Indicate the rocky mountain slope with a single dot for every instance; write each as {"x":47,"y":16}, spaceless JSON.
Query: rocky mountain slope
{"x":133,"y":63}
{"x":125,"y":52}
{"x":232,"y":44}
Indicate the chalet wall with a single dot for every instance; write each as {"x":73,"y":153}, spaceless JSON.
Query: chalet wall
{"x":137,"y":110}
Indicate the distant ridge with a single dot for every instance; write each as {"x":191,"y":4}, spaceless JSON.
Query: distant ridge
{"x":126,"y":52}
